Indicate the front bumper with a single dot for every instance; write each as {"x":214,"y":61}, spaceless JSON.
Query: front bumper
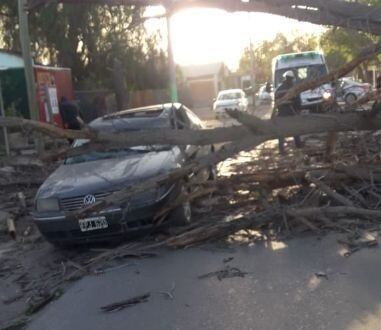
{"x":63,"y":229}
{"x":221,"y":111}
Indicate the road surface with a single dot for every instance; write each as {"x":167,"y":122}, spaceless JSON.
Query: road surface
{"x":280,"y":291}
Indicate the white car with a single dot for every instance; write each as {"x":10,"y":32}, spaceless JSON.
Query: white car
{"x":349,"y":91}
{"x":264,"y":96}
{"x":232,"y":99}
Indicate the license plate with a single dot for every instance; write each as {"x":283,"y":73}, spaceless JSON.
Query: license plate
{"x":94,"y":223}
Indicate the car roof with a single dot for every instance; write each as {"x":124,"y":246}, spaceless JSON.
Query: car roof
{"x":155,"y":116}
{"x":143,"y":111}
{"x":228,"y":91}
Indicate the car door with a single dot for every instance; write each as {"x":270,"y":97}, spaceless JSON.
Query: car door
{"x":199,"y":151}
{"x":184,"y":123}
{"x":197,"y":124}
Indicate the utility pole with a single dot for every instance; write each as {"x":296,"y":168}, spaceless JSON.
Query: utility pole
{"x":5,"y":132}
{"x":171,"y":61}
{"x":252,"y":64}
{"x":28,"y":60}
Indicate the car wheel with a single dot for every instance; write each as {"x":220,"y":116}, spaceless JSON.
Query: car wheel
{"x":350,"y":99}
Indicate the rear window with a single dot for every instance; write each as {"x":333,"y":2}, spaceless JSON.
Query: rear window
{"x":230,"y":96}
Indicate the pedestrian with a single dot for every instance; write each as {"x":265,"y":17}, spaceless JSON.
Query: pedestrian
{"x":331,"y":106}
{"x":376,"y":108}
{"x":288,"y":108}
{"x":268,"y":88}
{"x":70,"y":115}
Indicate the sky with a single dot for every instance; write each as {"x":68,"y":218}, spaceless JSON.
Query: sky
{"x":211,"y":35}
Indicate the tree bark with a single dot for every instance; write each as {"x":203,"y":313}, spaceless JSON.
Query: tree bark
{"x":255,"y":132}
{"x":327,"y":190}
{"x":333,"y":211}
{"x":353,"y":15}
{"x":120,"y":86}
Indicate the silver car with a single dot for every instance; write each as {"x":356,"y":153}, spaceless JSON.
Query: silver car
{"x":350,"y":91}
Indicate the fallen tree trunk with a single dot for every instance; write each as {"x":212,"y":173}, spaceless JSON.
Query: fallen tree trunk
{"x":311,"y":124}
{"x":333,"y":211}
{"x":218,"y":230}
{"x":263,"y":129}
{"x":353,"y":15}
{"x":368,"y":97}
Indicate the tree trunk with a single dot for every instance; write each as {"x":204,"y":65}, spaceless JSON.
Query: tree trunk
{"x":353,"y":15}
{"x":120,"y":87}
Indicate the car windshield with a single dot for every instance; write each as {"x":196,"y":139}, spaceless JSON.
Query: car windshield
{"x":111,"y":153}
{"x":229,"y":96}
{"x":302,"y":73}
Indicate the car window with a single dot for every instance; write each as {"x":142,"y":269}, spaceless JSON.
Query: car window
{"x":302,"y":73}
{"x":195,"y":121}
{"x":229,"y":96}
{"x":182,"y":119}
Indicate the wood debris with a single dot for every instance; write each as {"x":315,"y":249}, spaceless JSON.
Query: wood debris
{"x":227,"y":272}
{"x":120,"y":305}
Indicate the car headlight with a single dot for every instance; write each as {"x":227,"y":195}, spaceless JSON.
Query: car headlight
{"x":327,"y":95}
{"x":47,"y":205}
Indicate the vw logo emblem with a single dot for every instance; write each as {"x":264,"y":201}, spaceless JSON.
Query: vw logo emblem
{"x":89,"y":200}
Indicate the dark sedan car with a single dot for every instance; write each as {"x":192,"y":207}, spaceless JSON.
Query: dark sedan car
{"x":85,"y":179}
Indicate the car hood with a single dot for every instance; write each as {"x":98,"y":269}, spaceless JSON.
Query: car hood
{"x":317,"y":92}
{"x":108,"y":174}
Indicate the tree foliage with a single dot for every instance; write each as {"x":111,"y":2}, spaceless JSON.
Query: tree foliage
{"x":87,"y":38}
{"x":341,"y":46}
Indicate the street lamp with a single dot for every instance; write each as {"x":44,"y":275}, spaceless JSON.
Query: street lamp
{"x":171,"y":61}
{"x":252,"y":64}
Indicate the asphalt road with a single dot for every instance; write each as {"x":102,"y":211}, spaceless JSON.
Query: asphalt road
{"x":280,"y":291}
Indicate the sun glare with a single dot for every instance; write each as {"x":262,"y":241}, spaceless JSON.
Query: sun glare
{"x":212,"y":35}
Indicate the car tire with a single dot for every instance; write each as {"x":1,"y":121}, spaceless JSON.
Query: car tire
{"x":350,"y":99}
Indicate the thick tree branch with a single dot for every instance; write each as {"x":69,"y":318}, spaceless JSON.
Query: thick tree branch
{"x":262,"y":129}
{"x":346,"y":14}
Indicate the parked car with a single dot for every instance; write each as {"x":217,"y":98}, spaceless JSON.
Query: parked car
{"x":265,"y":94}
{"x":349,"y":91}
{"x":233,"y":99}
{"x":88,"y":178}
